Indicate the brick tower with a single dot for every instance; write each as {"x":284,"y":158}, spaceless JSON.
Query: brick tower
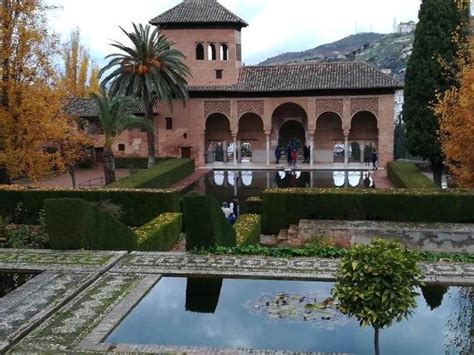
{"x":209,"y":36}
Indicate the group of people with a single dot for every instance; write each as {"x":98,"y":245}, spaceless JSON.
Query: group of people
{"x":292,"y":154}
{"x":231,"y":211}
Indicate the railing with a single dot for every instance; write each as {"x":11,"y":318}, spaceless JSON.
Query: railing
{"x":96,"y":183}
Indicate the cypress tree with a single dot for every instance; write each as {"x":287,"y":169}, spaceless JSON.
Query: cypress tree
{"x":441,"y":36}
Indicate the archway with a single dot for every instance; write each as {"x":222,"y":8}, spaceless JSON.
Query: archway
{"x":251,"y":139}
{"x":218,"y":138}
{"x":290,"y":123}
{"x":329,"y":133}
{"x":363,"y":137}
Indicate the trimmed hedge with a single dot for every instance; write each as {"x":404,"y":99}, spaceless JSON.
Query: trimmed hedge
{"x":163,"y":175}
{"x":77,"y":224}
{"x":407,"y":175}
{"x":161,"y":234}
{"x":254,"y":205}
{"x":205,"y":223}
{"x":284,"y":207}
{"x":140,"y":206}
{"x":248,"y":229}
{"x":136,"y":163}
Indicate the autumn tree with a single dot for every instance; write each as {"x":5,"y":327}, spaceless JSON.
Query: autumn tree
{"x":456,"y":113}
{"x":433,"y":51}
{"x":81,"y":74}
{"x":31,"y":99}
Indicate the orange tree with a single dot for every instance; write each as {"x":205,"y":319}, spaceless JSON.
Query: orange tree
{"x":456,"y":113}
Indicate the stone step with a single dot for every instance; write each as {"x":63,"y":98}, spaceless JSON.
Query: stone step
{"x":269,"y":241}
{"x":283,"y":235}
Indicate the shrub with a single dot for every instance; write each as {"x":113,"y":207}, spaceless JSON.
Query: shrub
{"x":254,"y":205}
{"x":407,"y":175}
{"x":77,"y":224}
{"x":135,"y":163}
{"x":161,"y":234}
{"x":139,"y":206}
{"x":248,"y":229}
{"x":111,"y":208}
{"x":376,"y":284}
{"x":163,"y":175}
{"x":205,"y":223}
{"x":284,"y":207}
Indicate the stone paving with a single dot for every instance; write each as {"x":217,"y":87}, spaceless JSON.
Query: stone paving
{"x":80,"y":297}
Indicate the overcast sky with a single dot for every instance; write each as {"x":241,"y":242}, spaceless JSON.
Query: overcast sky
{"x":275,"y":26}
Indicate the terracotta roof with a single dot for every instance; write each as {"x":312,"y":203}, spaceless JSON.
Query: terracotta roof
{"x":86,"y":107}
{"x":307,"y":77}
{"x":198,"y":11}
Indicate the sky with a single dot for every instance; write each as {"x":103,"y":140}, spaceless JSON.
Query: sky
{"x":275,"y":26}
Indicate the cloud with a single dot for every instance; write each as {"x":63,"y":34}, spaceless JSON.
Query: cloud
{"x":276,"y":26}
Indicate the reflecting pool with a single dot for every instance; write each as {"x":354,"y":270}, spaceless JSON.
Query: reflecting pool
{"x":226,"y":186}
{"x":12,"y":280}
{"x":288,"y":315}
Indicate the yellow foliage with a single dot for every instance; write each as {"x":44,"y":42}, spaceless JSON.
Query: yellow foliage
{"x":31,"y":100}
{"x":456,"y":112}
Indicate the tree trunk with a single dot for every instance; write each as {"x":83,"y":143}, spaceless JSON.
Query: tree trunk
{"x":437,"y":173}
{"x":109,"y":166}
{"x":73,"y":176}
{"x":376,"y":341}
{"x":150,"y":135}
{"x":4,"y":176}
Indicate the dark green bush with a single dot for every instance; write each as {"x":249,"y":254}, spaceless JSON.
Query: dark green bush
{"x":254,"y":205}
{"x":163,"y":175}
{"x":161,"y":234}
{"x":248,"y":229}
{"x":77,"y":224}
{"x":284,"y":207}
{"x":407,"y":175}
{"x":22,"y":205}
{"x":136,"y":163}
{"x":205,"y":223}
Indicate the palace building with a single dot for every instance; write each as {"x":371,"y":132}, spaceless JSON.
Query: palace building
{"x":239,"y":113}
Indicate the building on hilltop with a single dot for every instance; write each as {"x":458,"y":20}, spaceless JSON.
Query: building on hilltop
{"x":406,"y":27}
{"x":242,"y":113}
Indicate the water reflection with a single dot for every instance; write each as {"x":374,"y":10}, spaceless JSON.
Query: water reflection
{"x":222,"y":313}
{"x":202,"y":294}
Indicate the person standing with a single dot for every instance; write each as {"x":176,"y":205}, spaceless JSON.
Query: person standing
{"x":375,"y":159}
{"x":288,"y":154}
{"x":294,"y":157}
{"x":278,"y":154}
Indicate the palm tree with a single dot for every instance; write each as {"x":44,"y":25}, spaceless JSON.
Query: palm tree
{"x":148,"y":70}
{"x":115,"y":115}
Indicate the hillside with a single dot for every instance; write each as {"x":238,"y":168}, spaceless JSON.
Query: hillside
{"x":390,"y":51}
{"x":332,"y":50}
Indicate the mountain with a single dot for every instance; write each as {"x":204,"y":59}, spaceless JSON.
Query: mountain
{"x":385,"y":51}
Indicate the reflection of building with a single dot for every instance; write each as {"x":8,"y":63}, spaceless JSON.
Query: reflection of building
{"x":330,"y":107}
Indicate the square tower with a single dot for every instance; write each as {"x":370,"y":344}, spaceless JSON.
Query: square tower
{"x":209,"y":36}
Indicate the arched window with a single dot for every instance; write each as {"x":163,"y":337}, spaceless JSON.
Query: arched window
{"x":199,"y":51}
{"x":212,"y":52}
{"x":224,"y":52}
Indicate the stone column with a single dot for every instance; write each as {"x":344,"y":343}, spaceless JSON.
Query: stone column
{"x":311,"y":150}
{"x":234,"y":137}
{"x":267,"y":135}
{"x":346,"y":149}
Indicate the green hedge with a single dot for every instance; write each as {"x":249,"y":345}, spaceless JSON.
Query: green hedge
{"x":161,"y":234}
{"x":163,"y":175}
{"x":205,"y":223}
{"x":77,"y":224}
{"x":140,"y":206}
{"x":136,"y":163}
{"x":248,"y":229}
{"x":284,"y":207}
{"x":254,"y":205}
{"x":407,"y":175}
